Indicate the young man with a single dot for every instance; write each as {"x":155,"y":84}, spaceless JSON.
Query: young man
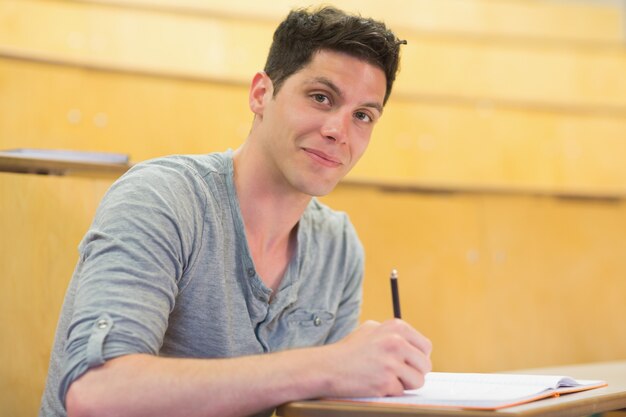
{"x":215,"y":285}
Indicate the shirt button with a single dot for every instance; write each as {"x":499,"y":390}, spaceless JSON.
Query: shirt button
{"x":250,"y":272}
{"x":317,"y":321}
{"x":102,"y":324}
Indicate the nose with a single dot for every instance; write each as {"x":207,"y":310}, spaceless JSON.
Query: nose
{"x":335,"y":127}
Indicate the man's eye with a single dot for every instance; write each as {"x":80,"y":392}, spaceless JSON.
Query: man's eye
{"x":363,"y":116}
{"x":320,"y":98}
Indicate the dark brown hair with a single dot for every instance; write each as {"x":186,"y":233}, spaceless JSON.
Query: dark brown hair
{"x":305,"y":32}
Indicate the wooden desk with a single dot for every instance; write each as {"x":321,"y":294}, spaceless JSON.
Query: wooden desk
{"x":57,"y":164}
{"x":579,"y":404}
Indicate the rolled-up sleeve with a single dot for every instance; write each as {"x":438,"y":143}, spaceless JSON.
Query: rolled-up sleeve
{"x":131,"y":262}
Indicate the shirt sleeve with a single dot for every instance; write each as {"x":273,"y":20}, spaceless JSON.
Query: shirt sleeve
{"x":131,"y":261}
{"x":349,"y":309}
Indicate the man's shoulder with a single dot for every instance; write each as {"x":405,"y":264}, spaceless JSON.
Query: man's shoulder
{"x":202,"y":165}
{"x":323,"y":217}
{"x":184,"y":179}
{"x":332,"y":231}
{"x":320,"y":211}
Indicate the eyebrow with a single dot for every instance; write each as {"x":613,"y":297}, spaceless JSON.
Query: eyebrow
{"x":328,"y":83}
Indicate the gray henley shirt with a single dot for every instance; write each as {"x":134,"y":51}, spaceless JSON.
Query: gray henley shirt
{"x":165,"y":269}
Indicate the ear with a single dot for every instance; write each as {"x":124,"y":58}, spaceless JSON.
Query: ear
{"x":261,"y":91}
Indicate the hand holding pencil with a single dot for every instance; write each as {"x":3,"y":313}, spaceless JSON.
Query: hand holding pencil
{"x":381,"y":359}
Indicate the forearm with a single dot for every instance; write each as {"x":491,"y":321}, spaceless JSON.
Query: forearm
{"x":375,"y":360}
{"x":147,"y":385}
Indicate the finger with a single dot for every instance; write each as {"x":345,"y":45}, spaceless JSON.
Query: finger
{"x":409,"y":364}
{"x":411,"y":378}
{"x":369,"y":324}
{"x":414,"y":365}
{"x":414,"y":337}
{"x":419,"y":361}
{"x":398,"y":388}
{"x":407,"y":373}
{"x":366,"y":328}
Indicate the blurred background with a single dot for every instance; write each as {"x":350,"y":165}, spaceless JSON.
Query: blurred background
{"x":495,"y":182}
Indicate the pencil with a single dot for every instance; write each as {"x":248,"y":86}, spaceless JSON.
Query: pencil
{"x":395,"y":296}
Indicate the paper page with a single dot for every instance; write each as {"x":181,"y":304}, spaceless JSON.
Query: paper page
{"x":479,"y":390}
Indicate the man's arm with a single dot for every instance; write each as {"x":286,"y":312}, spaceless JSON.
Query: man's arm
{"x":375,"y":360}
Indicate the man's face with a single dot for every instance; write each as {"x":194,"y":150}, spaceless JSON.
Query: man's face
{"x":320,"y":122}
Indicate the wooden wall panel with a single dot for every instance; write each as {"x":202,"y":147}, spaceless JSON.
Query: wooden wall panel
{"x":515,"y":148}
{"x":42,"y":220}
{"x":578,"y":21}
{"x":51,"y":106}
{"x":231,"y":50}
{"x":200,"y":46}
{"x":497,"y":282}
{"x":531,"y":73}
{"x":442,"y":145}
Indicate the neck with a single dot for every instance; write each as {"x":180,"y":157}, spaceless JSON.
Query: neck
{"x":269,"y":209}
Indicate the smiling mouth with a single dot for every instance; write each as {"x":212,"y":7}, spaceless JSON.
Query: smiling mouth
{"x":322,"y":158}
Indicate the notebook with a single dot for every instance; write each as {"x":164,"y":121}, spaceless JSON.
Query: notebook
{"x":484,"y":391}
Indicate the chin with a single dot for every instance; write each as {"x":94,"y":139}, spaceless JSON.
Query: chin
{"x":318,"y":189}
